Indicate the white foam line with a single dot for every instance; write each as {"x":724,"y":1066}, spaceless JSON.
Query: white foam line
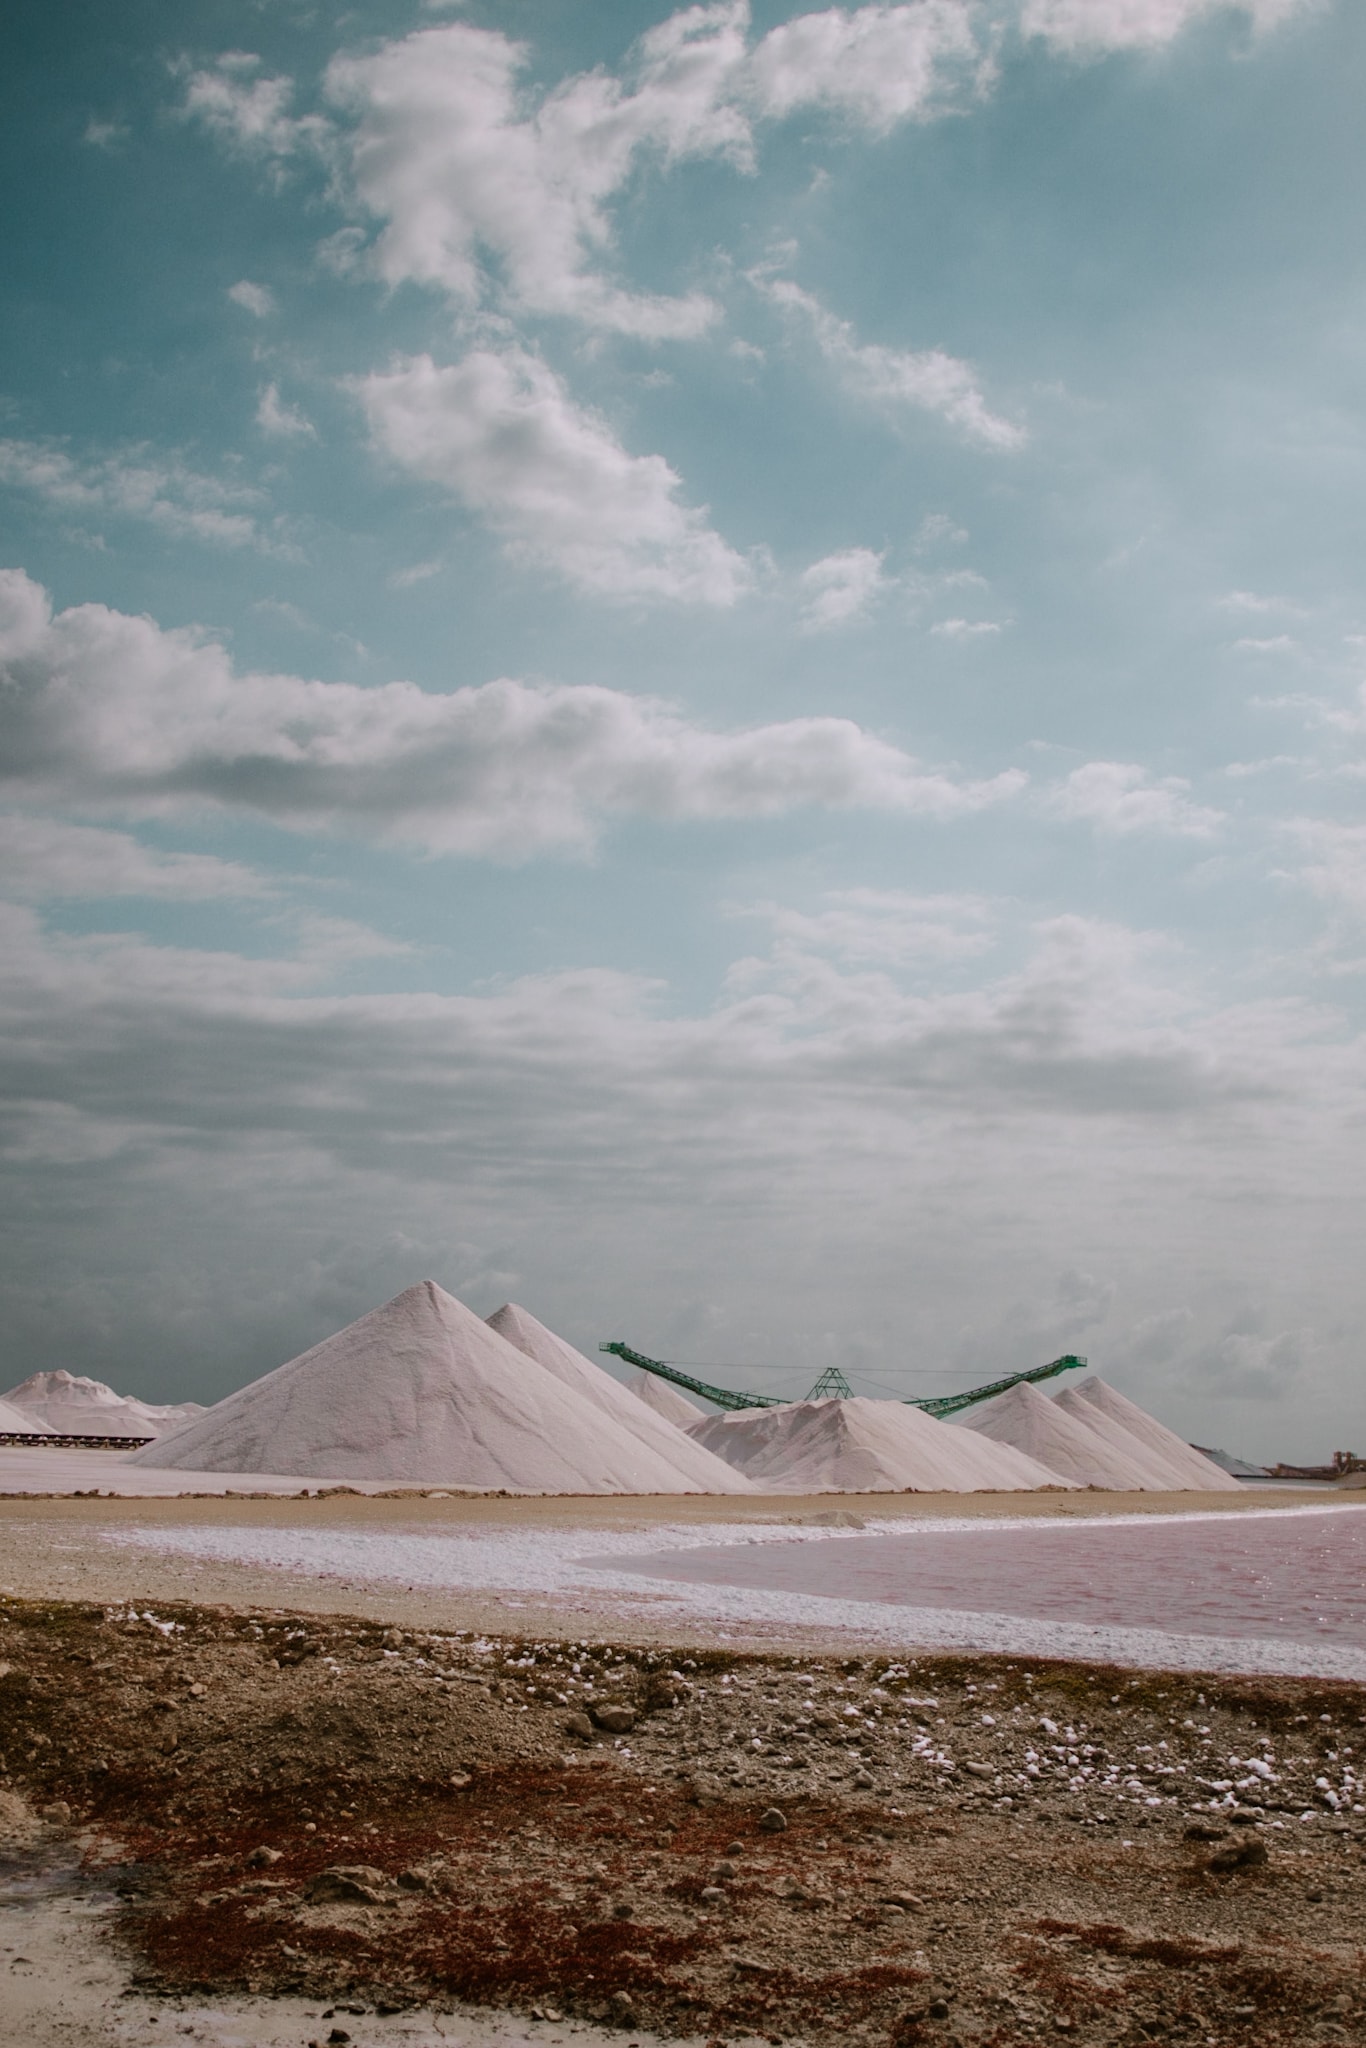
{"x":500,"y":1562}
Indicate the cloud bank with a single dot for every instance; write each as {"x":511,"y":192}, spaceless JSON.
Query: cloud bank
{"x":101,"y":708}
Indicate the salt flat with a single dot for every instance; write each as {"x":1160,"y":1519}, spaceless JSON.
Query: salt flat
{"x":613,"y":1568}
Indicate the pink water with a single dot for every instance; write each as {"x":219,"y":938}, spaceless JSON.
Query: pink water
{"x":1290,"y":1577}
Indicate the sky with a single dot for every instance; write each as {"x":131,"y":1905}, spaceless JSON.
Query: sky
{"x":700,"y":668}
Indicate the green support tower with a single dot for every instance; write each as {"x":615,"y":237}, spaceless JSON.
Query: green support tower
{"x":831,"y":1384}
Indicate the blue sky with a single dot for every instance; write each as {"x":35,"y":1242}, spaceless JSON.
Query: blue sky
{"x":704,"y":668}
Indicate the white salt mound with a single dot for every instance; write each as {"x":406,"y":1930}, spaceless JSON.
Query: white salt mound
{"x":17,"y":1421}
{"x":696,"y":1470}
{"x":665,"y":1400}
{"x":1028,"y":1420}
{"x":863,"y":1446}
{"x":419,"y":1390}
{"x":72,"y":1405}
{"x":1094,"y":1396}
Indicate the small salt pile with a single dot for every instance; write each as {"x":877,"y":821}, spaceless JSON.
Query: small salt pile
{"x":1028,"y":1420}
{"x":863,"y":1446}
{"x":1093,"y":1400}
{"x":664,"y":1399}
{"x":16,"y":1421}
{"x":698,"y":1470}
{"x":72,"y":1405}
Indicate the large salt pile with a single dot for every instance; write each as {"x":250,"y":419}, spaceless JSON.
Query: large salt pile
{"x":698,"y":1470}
{"x":423,"y":1390}
{"x":1093,"y":1399}
{"x":72,"y":1405}
{"x":15,"y":1422}
{"x":1030,"y":1422}
{"x":664,"y":1399}
{"x":863,"y":1446}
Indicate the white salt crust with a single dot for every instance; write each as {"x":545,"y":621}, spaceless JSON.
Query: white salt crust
{"x":696,"y":1469}
{"x":862,"y":1446}
{"x":593,"y":1570}
{"x":72,"y":1405}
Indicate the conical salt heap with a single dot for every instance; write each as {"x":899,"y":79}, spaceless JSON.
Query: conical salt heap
{"x":14,"y":1422}
{"x":72,"y":1405}
{"x":863,"y":1446}
{"x":1093,"y":1398}
{"x":1028,"y":1420}
{"x":698,"y":1470}
{"x":422,"y":1390}
{"x":665,"y":1400}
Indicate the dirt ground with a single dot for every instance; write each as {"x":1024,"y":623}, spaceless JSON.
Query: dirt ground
{"x":368,"y":1819}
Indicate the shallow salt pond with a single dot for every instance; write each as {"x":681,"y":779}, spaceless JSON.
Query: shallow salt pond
{"x":1279,"y":1590}
{"x":1297,"y":1576}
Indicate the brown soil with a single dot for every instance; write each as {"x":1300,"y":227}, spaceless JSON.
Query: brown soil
{"x":491,"y":1855}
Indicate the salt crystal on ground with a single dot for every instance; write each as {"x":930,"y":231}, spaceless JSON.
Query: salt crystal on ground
{"x":863,"y":1446}
{"x":665,"y":1400}
{"x":698,"y":1470}
{"x":1028,"y":1420}
{"x":422,"y":1390}
{"x":73,"y":1405}
{"x":1094,"y":1396}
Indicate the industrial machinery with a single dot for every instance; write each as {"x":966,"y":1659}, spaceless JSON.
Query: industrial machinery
{"x":833,"y":1382}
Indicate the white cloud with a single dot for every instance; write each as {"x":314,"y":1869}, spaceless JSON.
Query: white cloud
{"x":416,"y":572}
{"x":449,"y":152}
{"x":249,"y":113}
{"x":496,"y":192}
{"x":256,"y":299}
{"x":444,"y":154}
{"x":282,"y":421}
{"x":1256,"y":602}
{"x":1239,"y":771}
{"x":1276,"y":643}
{"x":1121,"y":797}
{"x":936,"y":529}
{"x":1248,"y":1365}
{"x":1087,"y":26}
{"x":929,"y":381}
{"x":105,"y":134}
{"x":500,"y":433}
{"x":137,"y":483}
{"x":287,"y":613}
{"x":44,"y":858}
{"x":841,"y":587}
{"x":879,"y":65}
{"x":100,"y":708}
{"x":1336,"y":867}
{"x":1349,"y":717}
{"x":885,"y":927}
{"x":966,"y":629}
